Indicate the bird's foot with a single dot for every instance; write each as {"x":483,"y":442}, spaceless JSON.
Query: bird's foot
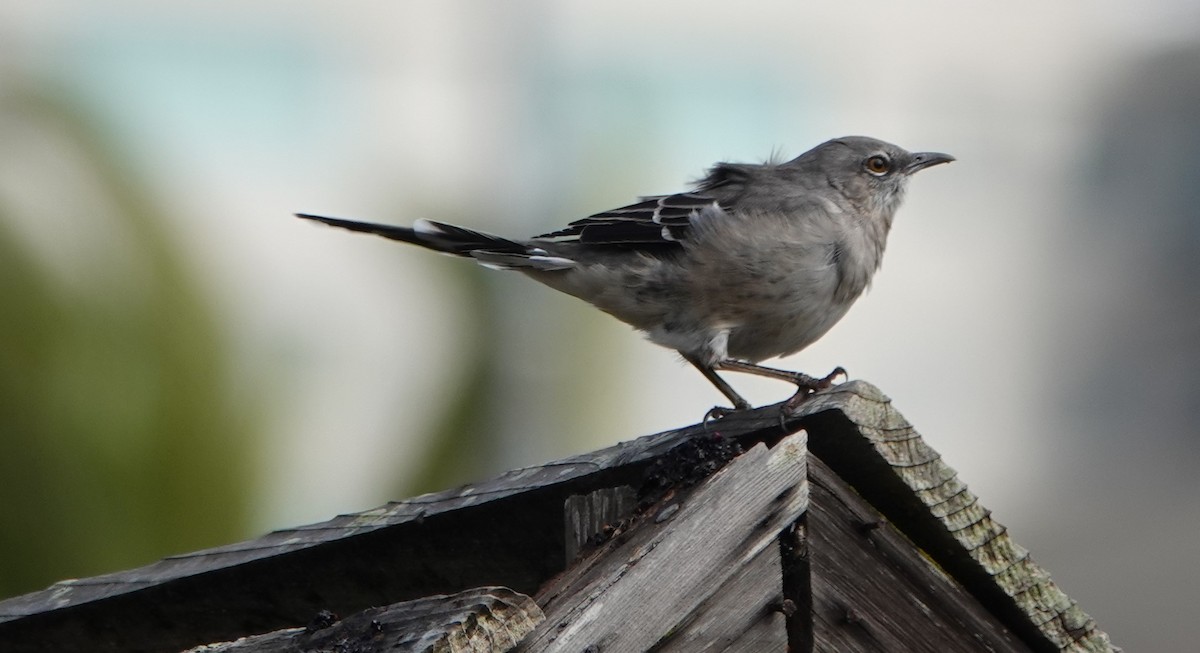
{"x":806,"y":386}
{"x":717,"y":412}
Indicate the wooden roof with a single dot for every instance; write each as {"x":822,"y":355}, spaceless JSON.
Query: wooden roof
{"x":848,"y":535}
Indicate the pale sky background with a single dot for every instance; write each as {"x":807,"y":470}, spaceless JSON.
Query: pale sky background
{"x":518,"y":117}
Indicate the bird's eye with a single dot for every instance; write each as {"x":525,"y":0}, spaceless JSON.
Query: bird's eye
{"x":878,"y":165}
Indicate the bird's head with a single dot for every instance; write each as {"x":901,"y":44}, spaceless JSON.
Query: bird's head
{"x":870,"y":173}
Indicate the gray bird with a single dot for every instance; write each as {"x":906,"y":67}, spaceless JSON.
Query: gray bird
{"x":757,"y":261}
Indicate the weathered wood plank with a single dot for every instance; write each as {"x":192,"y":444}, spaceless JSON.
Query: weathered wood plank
{"x":480,"y":620}
{"x":856,"y":431}
{"x":586,"y":515}
{"x":795,"y":560}
{"x":741,"y":615}
{"x":507,"y":531}
{"x":872,"y":591}
{"x":647,"y":587}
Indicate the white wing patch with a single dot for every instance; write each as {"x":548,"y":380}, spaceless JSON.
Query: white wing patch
{"x":505,"y":261}
{"x":424,"y":227}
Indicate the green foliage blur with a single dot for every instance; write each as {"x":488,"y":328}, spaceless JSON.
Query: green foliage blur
{"x":121,"y":439}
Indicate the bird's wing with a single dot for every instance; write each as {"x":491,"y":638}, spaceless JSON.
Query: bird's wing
{"x":660,"y":220}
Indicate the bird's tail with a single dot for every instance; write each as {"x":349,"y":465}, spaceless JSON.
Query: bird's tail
{"x":486,"y":249}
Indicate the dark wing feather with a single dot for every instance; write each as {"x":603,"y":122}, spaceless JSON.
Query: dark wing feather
{"x":661,"y":219}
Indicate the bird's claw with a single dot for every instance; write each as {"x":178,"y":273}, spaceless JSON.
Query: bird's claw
{"x":715,"y":413}
{"x":806,"y":386}
{"x":827,"y":380}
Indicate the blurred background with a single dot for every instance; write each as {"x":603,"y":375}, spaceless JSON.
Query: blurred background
{"x":183,"y":364}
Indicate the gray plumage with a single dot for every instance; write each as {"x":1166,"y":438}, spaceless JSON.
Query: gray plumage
{"x":757,"y":261}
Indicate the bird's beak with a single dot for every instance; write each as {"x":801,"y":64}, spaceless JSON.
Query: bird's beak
{"x":922,"y":160}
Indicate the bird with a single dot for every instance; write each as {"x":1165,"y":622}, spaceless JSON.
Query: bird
{"x":755,"y":261}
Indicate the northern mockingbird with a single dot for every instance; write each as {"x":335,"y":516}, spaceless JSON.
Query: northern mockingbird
{"x":757,"y":261}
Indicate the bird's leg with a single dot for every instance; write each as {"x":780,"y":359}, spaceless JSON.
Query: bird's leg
{"x":805,"y":384}
{"x":799,"y":378}
{"x":709,"y":373}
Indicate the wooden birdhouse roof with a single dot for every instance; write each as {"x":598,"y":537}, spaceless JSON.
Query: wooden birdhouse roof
{"x":833,"y":529}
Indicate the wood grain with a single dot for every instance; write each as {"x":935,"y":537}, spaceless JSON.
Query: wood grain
{"x":659,"y":583}
{"x":899,"y":474}
{"x":479,"y":620}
